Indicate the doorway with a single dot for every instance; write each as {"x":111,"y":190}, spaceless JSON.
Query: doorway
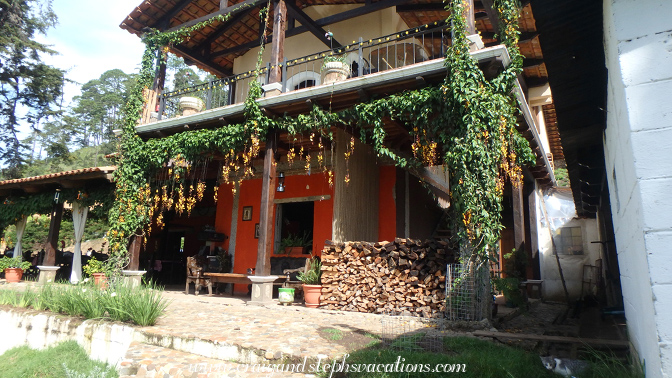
{"x":294,"y":223}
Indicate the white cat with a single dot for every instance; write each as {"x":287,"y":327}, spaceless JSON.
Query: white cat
{"x":564,"y":366}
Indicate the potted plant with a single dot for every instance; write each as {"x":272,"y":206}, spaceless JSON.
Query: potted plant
{"x":97,"y":270}
{"x":13,"y":268}
{"x":312,"y":289}
{"x":294,"y":244}
{"x":335,"y":68}
{"x":191,"y":105}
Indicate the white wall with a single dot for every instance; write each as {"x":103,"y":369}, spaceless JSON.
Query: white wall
{"x":638,"y":155}
{"x":572,"y":265}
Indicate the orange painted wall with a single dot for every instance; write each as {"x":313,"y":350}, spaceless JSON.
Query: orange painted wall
{"x":387,"y":211}
{"x":250,"y":195}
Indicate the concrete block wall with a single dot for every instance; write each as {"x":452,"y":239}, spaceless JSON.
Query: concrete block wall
{"x":638,"y":155}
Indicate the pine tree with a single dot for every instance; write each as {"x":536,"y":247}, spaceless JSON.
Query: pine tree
{"x":29,"y":88}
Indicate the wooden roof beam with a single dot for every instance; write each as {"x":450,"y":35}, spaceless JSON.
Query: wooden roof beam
{"x":309,"y":23}
{"x":200,"y":59}
{"x":164,"y":21}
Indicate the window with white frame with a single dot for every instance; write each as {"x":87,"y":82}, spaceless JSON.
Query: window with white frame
{"x":569,"y":241}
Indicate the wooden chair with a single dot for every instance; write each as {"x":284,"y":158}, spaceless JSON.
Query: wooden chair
{"x":296,"y":285}
{"x":195,"y":269}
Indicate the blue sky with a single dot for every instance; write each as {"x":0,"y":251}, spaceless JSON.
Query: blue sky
{"x":90,"y":41}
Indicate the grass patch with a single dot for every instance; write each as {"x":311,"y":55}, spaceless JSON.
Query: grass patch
{"x":333,"y":333}
{"x":478,"y":358}
{"x":606,"y":366}
{"x":65,"y":360}
{"x":140,"y":305}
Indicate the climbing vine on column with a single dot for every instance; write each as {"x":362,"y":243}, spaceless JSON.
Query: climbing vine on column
{"x":482,"y":147}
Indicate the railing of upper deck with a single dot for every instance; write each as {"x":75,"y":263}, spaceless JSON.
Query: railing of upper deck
{"x":364,"y":57}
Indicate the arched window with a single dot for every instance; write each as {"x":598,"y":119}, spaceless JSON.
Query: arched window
{"x":302,"y":80}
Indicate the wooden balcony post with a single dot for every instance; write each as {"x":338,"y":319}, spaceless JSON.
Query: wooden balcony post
{"x":265,"y":246}
{"x":278,"y":47}
{"x":470,"y":16}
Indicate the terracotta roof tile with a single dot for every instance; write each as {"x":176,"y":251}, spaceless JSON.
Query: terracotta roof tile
{"x":76,"y":172}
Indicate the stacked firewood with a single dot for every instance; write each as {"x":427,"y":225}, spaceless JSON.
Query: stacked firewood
{"x":403,"y":276}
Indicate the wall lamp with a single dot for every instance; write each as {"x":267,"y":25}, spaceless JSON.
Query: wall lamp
{"x":281,"y":182}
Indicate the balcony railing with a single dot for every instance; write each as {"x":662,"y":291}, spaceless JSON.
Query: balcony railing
{"x":364,"y":57}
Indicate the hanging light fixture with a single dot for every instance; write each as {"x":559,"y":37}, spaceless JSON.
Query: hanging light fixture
{"x":281,"y":182}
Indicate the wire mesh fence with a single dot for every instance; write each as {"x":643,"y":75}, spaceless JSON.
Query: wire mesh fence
{"x":468,"y":296}
{"x":410,"y":333}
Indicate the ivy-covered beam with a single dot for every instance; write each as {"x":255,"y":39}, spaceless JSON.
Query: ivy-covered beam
{"x":228,"y":11}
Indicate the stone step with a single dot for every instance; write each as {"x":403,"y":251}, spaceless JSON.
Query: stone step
{"x":151,"y":361}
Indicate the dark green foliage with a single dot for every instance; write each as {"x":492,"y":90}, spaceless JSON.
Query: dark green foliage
{"x":26,"y":83}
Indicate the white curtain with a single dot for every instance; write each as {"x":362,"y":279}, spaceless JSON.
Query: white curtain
{"x":79,"y":213}
{"x":20,"y":227}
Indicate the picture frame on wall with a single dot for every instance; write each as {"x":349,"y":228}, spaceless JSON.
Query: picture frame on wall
{"x":256,"y":230}
{"x":247,"y":213}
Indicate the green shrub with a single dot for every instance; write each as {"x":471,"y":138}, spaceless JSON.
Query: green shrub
{"x":141,"y":305}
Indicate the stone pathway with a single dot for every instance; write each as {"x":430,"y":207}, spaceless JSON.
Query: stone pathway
{"x":279,"y":331}
{"x":199,"y":336}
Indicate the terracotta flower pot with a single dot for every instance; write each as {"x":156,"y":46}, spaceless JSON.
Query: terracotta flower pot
{"x":191,"y":105}
{"x":335,"y":71}
{"x":311,"y":294}
{"x":100,"y":279}
{"x":13,"y":274}
{"x":295,"y":251}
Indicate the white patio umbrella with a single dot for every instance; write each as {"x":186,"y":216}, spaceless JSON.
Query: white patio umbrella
{"x":79,"y":214}
{"x":20,"y":227}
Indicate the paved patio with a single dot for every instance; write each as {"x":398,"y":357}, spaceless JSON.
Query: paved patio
{"x":199,"y":335}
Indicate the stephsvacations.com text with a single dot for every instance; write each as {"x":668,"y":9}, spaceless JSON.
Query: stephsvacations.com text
{"x":325,"y":367}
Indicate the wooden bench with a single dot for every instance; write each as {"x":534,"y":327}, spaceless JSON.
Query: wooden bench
{"x":237,"y":278}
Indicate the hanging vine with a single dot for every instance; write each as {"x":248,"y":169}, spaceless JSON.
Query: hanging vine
{"x":467,"y":123}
